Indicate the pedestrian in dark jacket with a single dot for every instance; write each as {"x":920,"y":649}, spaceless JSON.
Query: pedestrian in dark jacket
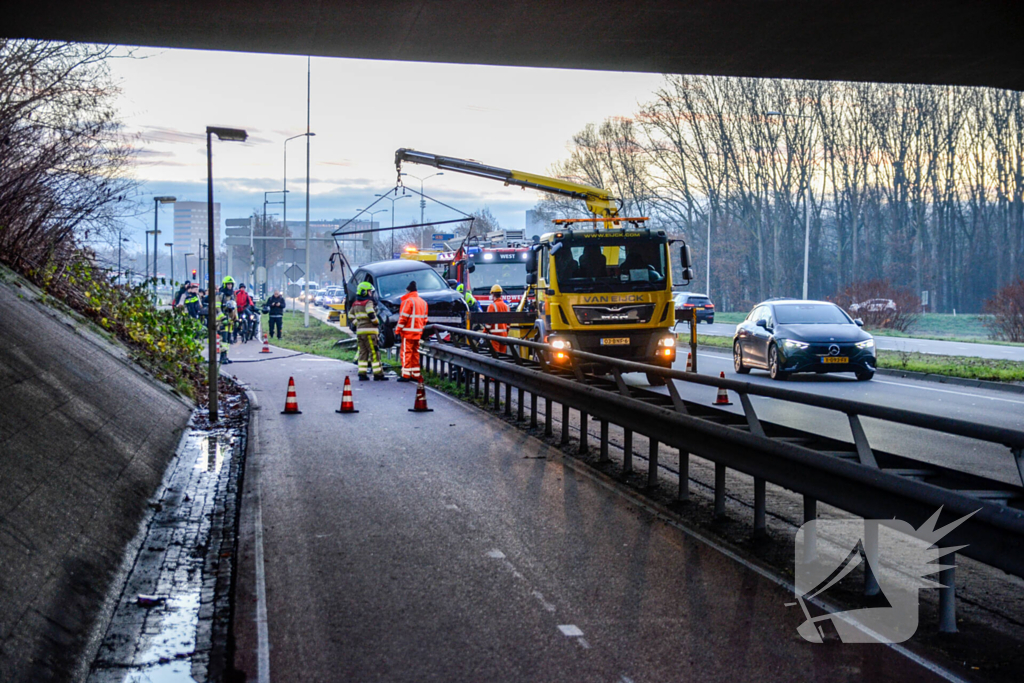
{"x":275,"y":305}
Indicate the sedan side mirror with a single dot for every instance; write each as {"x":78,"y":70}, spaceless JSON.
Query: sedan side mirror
{"x":762,"y":324}
{"x":858,"y":322}
{"x":453,"y":283}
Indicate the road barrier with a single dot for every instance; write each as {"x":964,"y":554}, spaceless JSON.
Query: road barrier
{"x":853,"y":477}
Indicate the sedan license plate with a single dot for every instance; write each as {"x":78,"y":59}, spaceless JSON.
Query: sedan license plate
{"x":835,"y":359}
{"x":615,"y":341}
{"x":445,"y":320}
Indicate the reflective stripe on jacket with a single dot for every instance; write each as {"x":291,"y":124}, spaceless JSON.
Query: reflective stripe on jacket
{"x":413,"y":317}
{"x":365,"y":316}
{"x":499,"y":306}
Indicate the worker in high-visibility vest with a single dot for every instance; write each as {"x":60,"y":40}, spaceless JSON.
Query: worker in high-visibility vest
{"x":412,"y":318}
{"x":498,"y":305}
{"x":365,"y":317}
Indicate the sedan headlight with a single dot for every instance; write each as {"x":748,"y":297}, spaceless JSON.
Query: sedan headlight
{"x":792,"y":345}
{"x":866,"y":344}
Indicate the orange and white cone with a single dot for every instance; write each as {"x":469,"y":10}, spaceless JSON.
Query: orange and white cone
{"x":266,"y":344}
{"x":347,"y":405}
{"x":291,"y":403}
{"x":689,"y":362}
{"x":723,"y":396}
{"x":420,"y":406}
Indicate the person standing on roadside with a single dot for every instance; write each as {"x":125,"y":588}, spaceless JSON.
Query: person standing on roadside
{"x":367,"y":329}
{"x":411,"y":320}
{"x":192,"y":303}
{"x":181,"y":294}
{"x":275,"y":309}
{"x":498,"y":305}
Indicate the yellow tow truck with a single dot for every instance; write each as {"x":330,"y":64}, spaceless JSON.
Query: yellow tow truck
{"x":603,"y":284}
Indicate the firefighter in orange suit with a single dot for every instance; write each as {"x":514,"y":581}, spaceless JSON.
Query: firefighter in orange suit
{"x":498,"y":305}
{"x":411,"y":320}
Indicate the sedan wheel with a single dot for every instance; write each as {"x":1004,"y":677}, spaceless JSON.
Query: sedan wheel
{"x":774,"y":370}
{"x":737,"y":360}
{"x":865,"y":375}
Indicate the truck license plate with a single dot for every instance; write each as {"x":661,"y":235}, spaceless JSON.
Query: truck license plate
{"x":835,"y":359}
{"x":615,"y":341}
{"x":445,"y":320}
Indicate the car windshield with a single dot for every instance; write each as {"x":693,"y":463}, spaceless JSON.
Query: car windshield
{"x":511,"y":276}
{"x":810,"y":314}
{"x":427,"y":280}
{"x":586,"y":263}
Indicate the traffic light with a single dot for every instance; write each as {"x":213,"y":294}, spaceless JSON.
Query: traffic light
{"x":193,"y":273}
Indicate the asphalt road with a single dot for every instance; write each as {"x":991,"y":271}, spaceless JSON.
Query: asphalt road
{"x":976,"y":405}
{"x":944,"y":348}
{"x":449,"y":546}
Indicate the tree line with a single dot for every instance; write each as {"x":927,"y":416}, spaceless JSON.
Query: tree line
{"x":920,"y":186}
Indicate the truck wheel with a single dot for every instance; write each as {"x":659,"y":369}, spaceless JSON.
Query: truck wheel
{"x":655,"y":380}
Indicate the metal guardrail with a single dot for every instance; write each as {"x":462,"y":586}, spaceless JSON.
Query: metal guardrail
{"x":852,"y":477}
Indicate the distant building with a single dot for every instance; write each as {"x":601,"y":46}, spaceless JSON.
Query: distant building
{"x":190,"y":227}
{"x":534,"y":224}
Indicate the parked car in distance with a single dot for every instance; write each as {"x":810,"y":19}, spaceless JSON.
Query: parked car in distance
{"x":334,"y":295}
{"x":686,"y":302}
{"x":784,"y":336}
{"x":874,"y":306}
{"x":318,"y":298}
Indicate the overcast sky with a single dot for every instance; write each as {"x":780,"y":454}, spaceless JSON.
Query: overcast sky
{"x":362,"y":111}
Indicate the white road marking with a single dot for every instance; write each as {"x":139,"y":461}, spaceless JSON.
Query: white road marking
{"x":262,"y":630}
{"x":949,"y":391}
{"x":495,"y":554}
{"x":583,"y":643}
{"x":451,"y":506}
{"x":570,"y":630}
{"x":544,"y":603}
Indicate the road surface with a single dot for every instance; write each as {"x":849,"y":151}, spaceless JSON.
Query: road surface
{"x":944,"y":348}
{"x":449,"y":546}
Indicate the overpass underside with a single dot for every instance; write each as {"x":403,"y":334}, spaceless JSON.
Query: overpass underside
{"x":937,"y":42}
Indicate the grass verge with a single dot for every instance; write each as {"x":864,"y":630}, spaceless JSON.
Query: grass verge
{"x":950,"y":366}
{"x":318,"y":339}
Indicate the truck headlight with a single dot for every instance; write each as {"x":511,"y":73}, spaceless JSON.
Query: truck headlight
{"x":792,"y":345}
{"x":866,"y":344}
{"x":561,"y":344}
{"x":667,"y":341}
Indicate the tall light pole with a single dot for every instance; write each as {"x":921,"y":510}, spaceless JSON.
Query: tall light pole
{"x":233,"y":135}
{"x":373,"y":240}
{"x":392,"y":200}
{"x":284,"y":186}
{"x":305,"y":282}
{"x":707,"y":286}
{"x":423,"y":202}
{"x":170,"y":252}
{"x":807,"y":190}
{"x":284,"y":201}
{"x":157,"y":201}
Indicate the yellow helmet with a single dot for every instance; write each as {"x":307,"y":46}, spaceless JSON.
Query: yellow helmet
{"x":496,"y":289}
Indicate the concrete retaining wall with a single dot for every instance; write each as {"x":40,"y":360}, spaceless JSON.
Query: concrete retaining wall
{"x":85,"y":437}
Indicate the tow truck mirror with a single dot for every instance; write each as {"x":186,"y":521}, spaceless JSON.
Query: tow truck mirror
{"x":684,"y":260}
{"x":472,"y":268}
{"x":687,"y":275}
{"x":531,"y":278}
{"x":531,"y":263}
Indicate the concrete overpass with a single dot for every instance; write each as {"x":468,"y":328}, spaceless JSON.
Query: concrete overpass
{"x":940,"y":42}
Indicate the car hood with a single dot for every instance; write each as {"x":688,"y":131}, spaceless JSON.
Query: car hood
{"x":441,"y":302}
{"x":822,"y":333}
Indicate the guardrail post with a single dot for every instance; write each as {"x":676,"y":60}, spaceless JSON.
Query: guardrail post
{"x":565,"y":424}
{"x":533,"y":410}
{"x":684,"y":476}
{"x":871,"y":555}
{"x":604,"y":442}
{"x":760,"y":526}
{"x":947,"y":595}
{"x":584,"y":441}
{"x":497,"y":395}
{"x":468,"y":378}
{"x":508,"y":399}
{"x":719,"y":490}
{"x":487,"y":390}
{"x":652,"y":463}
{"x":810,"y":529}
{"x":476,"y":385}
{"x":547,"y":416}
{"x":627,"y":451}
{"x":520,"y":404}
{"x":1018,"y":456}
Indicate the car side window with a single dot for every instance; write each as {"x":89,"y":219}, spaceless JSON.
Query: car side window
{"x":752,"y":316}
{"x":769,"y":319}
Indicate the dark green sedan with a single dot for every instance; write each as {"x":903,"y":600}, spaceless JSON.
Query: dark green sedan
{"x":784,"y":336}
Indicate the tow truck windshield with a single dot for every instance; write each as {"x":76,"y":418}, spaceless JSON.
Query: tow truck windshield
{"x":611,"y":264}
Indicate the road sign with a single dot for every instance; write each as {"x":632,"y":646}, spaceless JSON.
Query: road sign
{"x":261,"y":275}
{"x":238,"y":231}
{"x":437,"y":245}
{"x":294,"y":272}
{"x":442,"y":236}
{"x":294,"y":255}
{"x":238,"y":222}
{"x":237,"y":241}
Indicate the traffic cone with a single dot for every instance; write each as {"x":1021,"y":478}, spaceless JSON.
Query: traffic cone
{"x":291,"y":404}
{"x":420,"y":406}
{"x":266,"y":344}
{"x":347,"y":406}
{"x":689,"y":362}
{"x":723,"y":396}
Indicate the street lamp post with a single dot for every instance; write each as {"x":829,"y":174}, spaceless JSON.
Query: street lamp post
{"x":392,"y":200}
{"x":423,"y":202}
{"x":284,"y":201}
{"x":170,"y":252}
{"x":233,"y":135}
{"x":373,"y":239}
{"x":157,"y":201}
{"x":284,"y":189}
{"x":807,"y":191}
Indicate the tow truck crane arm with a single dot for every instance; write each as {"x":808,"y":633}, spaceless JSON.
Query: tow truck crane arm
{"x":598,"y":201}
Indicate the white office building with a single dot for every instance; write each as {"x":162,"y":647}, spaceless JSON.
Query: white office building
{"x":190,"y":228}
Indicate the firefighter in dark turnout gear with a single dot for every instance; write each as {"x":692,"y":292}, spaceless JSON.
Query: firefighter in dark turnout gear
{"x":365,"y":317}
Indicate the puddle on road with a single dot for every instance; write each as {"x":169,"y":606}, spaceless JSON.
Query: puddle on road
{"x":158,"y":644}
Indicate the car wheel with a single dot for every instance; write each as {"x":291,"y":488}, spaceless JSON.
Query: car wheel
{"x":774,"y":370}
{"x":386,"y":337}
{"x":655,"y":380}
{"x":865,"y":375}
{"x":737,"y":360}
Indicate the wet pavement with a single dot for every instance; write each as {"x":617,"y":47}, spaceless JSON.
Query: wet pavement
{"x":171,"y":621}
{"x":450,"y":546}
